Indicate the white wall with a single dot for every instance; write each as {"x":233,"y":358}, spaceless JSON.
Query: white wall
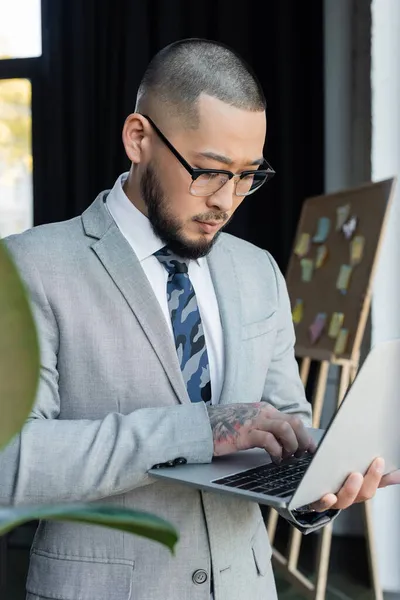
{"x":385,"y":80}
{"x":347,"y":141}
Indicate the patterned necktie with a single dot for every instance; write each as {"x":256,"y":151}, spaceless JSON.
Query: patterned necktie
{"x":187,"y":327}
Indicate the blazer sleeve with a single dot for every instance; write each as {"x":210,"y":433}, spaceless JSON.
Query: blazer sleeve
{"x":284,"y":390}
{"x":56,"y":460}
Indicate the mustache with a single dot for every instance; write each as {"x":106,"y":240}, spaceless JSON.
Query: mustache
{"x":211,"y":216}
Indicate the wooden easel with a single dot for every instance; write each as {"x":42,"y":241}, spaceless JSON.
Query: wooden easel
{"x":371,"y":204}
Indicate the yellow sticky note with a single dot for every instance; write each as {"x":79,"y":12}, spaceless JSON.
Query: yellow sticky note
{"x":335,"y":325}
{"x":322,"y":253}
{"x":343,"y":279}
{"x":303,"y":245}
{"x":341,"y":342}
{"x":307,"y":269}
{"x":357,"y":249}
{"x":297,"y":312}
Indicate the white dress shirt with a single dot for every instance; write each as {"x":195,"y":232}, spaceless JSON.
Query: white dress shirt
{"x":137,"y":230}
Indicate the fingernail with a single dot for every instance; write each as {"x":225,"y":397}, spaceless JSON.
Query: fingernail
{"x":380,"y":466}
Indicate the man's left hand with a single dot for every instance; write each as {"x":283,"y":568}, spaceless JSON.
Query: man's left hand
{"x":359,"y":488}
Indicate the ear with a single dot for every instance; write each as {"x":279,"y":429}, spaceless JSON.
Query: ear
{"x":134,"y":137}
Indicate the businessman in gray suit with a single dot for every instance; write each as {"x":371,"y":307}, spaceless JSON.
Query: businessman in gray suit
{"x":163,"y":338}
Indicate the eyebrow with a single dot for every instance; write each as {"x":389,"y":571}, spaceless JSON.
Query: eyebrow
{"x":228,"y":161}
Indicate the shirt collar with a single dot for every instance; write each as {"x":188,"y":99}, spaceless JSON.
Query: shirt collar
{"x":132,"y":223}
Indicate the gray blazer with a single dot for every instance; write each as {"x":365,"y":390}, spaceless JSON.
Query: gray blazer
{"x":112,"y":403}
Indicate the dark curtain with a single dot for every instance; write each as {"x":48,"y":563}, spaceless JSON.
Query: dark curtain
{"x":94,"y":54}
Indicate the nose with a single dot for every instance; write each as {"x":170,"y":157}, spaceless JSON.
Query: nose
{"x":223,"y":198}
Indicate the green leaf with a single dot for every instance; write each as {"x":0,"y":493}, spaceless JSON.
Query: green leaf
{"x":19,"y":351}
{"x":131,"y":521}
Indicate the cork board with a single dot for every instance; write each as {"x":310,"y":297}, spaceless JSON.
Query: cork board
{"x":345,"y":232}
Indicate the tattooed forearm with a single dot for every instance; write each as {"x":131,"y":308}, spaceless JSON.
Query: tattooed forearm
{"x":237,"y":427}
{"x":226,"y":421}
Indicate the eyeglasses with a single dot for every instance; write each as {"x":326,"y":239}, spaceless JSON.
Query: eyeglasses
{"x":206,"y":182}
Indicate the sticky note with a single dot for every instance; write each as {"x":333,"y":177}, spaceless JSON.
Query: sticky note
{"x":307,"y":269}
{"x":343,"y":279}
{"x":297,"y":312}
{"x":357,"y":250}
{"x":349,"y":228}
{"x":323,"y":228}
{"x":322,"y":255}
{"x":335,"y":325}
{"x":341,"y":342}
{"x":303,"y":245}
{"x":342,"y":214}
{"x":315,"y":330}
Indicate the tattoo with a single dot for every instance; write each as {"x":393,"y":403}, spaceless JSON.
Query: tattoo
{"x":226,"y":421}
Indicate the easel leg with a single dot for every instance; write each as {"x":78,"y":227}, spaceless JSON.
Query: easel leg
{"x":324,"y":551}
{"x":305,"y":370}
{"x":294,"y":549}
{"x":272,"y":524}
{"x":320,"y":393}
{"x":325,"y":541}
{"x":344,"y":382}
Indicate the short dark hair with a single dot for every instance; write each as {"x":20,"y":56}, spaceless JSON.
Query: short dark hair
{"x":180,"y":72}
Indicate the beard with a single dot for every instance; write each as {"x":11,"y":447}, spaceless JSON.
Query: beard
{"x":167,"y":227}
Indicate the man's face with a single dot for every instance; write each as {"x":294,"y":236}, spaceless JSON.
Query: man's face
{"x":227,"y":138}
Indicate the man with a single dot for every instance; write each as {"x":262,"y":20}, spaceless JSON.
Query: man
{"x":163,"y":339}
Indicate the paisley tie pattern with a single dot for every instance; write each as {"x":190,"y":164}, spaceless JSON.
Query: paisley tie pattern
{"x":187,"y":327}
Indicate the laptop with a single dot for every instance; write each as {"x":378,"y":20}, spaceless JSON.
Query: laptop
{"x":365,"y":426}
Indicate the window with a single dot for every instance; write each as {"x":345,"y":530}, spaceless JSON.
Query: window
{"x":20,"y":29}
{"x":20,"y":53}
{"x":15,"y":156}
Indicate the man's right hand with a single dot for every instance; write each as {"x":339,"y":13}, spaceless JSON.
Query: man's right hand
{"x":243,"y":426}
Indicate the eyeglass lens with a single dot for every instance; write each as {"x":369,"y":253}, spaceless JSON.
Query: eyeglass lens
{"x":209,"y":183}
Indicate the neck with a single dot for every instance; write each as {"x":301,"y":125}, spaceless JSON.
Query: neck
{"x":131,"y":188}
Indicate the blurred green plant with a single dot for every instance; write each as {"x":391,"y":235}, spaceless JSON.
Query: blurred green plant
{"x":19,"y":376}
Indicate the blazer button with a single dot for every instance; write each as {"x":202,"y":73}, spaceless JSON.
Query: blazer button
{"x":200,"y":576}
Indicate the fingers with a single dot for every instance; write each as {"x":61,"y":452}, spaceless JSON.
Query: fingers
{"x":355,"y":489}
{"x":306,"y":443}
{"x":304,"y":440}
{"x":344,"y":498}
{"x":390,"y":479}
{"x":278,"y":437}
{"x":266,"y":440}
{"x":284,"y":435}
{"x":325,"y":503}
{"x":372,"y":480}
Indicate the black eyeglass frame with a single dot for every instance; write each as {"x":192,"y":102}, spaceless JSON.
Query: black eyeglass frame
{"x":196,"y":173}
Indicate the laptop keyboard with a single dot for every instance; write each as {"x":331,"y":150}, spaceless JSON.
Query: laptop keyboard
{"x":271,"y":479}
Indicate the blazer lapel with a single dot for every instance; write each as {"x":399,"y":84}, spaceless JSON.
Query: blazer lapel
{"x":226,"y":284}
{"x":125,"y":270}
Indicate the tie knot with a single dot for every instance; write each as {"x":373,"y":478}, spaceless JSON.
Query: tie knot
{"x":171,"y":262}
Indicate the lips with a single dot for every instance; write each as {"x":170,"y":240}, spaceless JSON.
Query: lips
{"x":209,"y":226}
